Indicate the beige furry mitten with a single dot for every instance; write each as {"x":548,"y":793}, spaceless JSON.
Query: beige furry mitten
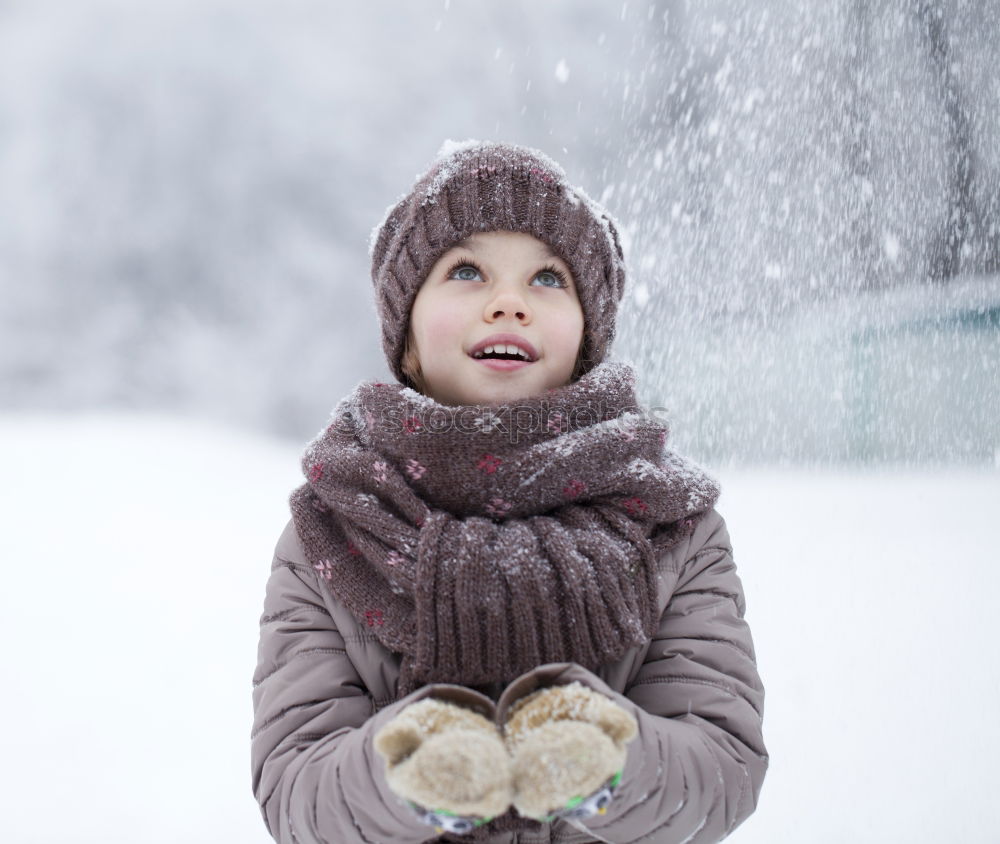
{"x":446,"y":759}
{"x":566,"y":742}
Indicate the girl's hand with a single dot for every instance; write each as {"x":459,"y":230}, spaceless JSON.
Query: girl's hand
{"x":567,"y":745}
{"x":449,"y":761}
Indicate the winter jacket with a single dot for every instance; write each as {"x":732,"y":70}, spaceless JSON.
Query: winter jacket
{"x":324,"y":685}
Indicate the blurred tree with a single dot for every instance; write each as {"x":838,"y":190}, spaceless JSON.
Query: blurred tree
{"x":867,"y":255}
{"x":951,"y":242}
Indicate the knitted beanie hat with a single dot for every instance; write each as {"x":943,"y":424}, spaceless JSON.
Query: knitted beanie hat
{"x":478,"y":186}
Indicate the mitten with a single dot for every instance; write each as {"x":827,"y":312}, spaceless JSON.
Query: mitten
{"x":449,"y":762}
{"x":567,"y":745}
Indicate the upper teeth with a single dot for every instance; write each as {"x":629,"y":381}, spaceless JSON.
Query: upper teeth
{"x":503,"y":349}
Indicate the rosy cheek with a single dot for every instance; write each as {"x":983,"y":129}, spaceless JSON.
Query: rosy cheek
{"x":570,"y":330}
{"x":435,"y":327}
{"x":439,"y":324}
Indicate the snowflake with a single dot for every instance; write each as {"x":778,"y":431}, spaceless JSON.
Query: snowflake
{"x":415,"y":470}
{"x":487,"y":422}
{"x":627,"y":431}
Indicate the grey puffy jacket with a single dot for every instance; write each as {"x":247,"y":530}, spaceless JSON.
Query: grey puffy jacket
{"x":324,"y":685}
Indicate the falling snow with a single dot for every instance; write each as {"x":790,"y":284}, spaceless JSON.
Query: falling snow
{"x":808,"y":197}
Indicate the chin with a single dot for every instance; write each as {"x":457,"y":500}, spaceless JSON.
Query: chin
{"x":477,"y":390}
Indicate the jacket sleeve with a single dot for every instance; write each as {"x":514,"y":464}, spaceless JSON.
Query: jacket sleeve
{"x":694,"y":772}
{"x":315,"y":773}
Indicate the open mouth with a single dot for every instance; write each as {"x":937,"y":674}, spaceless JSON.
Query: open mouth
{"x":502,"y":360}
{"x":503,"y":352}
{"x":518,"y":355}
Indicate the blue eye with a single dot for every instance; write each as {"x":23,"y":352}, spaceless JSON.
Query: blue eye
{"x":464,"y":272}
{"x":551,"y":277}
{"x":548,"y":280}
{"x":546,"y":277}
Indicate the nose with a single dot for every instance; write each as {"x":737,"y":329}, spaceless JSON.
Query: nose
{"x":507,"y":302}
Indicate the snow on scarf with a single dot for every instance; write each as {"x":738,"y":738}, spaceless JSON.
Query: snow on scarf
{"x":480,"y":541}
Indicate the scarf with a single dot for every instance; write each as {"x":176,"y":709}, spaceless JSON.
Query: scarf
{"x":480,"y":541}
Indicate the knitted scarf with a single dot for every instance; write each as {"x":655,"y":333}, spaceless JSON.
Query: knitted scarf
{"x":480,"y":541}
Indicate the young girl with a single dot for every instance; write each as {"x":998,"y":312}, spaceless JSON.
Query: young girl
{"x":502,"y":610}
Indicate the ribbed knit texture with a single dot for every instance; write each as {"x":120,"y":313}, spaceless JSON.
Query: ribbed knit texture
{"x":482,"y":541}
{"x":478,"y":187}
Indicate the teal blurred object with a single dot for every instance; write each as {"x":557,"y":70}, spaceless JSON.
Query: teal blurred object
{"x":926,"y":386}
{"x":904,"y":376}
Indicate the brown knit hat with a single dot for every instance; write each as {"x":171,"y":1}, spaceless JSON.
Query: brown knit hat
{"x":478,"y":186}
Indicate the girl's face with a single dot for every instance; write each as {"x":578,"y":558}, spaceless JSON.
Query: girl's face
{"x":504,"y":290}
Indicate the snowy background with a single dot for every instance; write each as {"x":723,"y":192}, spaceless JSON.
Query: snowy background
{"x":130,"y":614}
{"x":809,"y":196}
{"x":187,"y":188}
